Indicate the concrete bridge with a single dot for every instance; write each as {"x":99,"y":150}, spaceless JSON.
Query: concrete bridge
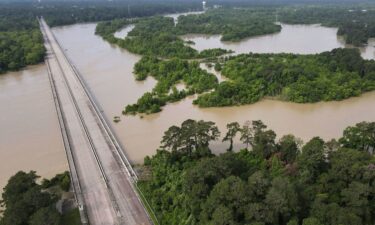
{"x":102,"y":177}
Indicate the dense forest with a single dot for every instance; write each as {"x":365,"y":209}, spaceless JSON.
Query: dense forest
{"x":21,"y":42}
{"x":271,"y":182}
{"x":356,"y":24}
{"x":334,"y":75}
{"x":26,"y":202}
{"x":233,"y":24}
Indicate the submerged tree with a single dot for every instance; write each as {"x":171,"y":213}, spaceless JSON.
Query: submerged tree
{"x":233,"y":128}
{"x":247,"y":135}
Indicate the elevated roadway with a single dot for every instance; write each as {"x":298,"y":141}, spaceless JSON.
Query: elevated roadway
{"x":102,"y":177}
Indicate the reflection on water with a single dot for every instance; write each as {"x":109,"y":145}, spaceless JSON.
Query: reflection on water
{"x":29,"y":136}
{"x":108,"y":71}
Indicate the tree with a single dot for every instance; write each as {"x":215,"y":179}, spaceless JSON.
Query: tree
{"x":282,"y":201}
{"x":247,"y":133}
{"x":229,"y":192}
{"x":288,"y":148}
{"x":171,"y":138}
{"x":22,"y":198}
{"x":45,"y":216}
{"x":311,"y":221}
{"x":233,"y":128}
{"x":312,"y":160}
{"x":264,"y":143}
{"x":361,"y":137}
{"x":191,"y":136}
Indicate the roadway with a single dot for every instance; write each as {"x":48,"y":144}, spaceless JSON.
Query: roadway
{"x":103,"y":179}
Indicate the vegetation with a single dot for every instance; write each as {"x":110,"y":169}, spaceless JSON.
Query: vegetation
{"x":62,"y":180}
{"x":232,"y":24}
{"x":169,"y":73}
{"x":71,"y":218}
{"x":274,"y":182}
{"x":20,"y":48}
{"x":28,"y":203}
{"x":356,"y":24}
{"x":154,"y":36}
{"x":334,"y":75}
{"x":21,"y":42}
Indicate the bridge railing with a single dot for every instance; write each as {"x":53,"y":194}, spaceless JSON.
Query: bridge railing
{"x":74,"y":177}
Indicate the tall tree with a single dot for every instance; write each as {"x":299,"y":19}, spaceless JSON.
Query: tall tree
{"x":247,"y":134}
{"x":232,"y":129}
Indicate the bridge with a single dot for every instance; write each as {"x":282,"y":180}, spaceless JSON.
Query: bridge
{"x":103,"y":180}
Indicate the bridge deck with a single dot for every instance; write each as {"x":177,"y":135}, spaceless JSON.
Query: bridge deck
{"x":101,"y":175}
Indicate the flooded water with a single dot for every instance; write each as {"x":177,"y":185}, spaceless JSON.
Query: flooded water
{"x":124,"y":32}
{"x":299,"y":39}
{"x":176,"y":15}
{"x":29,"y":136}
{"x":108,"y":71}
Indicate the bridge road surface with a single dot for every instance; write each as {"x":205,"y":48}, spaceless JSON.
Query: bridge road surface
{"x":103,"y":181}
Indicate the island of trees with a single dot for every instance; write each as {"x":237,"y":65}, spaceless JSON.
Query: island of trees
{"x":155,"y":36}
{"x":232,"y":24}
{"x":333,"y":75}
{"x":269,"y":182}
{"x":168,"y":73}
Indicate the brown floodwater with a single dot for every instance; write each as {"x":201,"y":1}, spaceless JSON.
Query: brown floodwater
{"x":108,"y":71}
{"x":29,"y":135}
{"x":299,"y":39}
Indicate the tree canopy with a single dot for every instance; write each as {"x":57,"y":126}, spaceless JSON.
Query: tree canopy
{"x":273,"y":182}
{"x":327,"y":76}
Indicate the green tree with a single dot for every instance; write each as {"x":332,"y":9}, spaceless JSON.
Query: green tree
{"x":288,"y":148}
{"x":311,"y":221}
{"x":361,"y":137}
{"x":282,"y":201}
{"x":45,"y":216}
{"x":232,"y":129}
{"x":247,"y":134}
{"x":22,"y":198}
{"x":312,"y":160}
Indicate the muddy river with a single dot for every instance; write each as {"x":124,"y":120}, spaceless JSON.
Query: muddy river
{"x":30,"y":138}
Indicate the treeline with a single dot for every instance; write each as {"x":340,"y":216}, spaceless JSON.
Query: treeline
{"x":20,"y":48}
{"x":232,"y":24}
{"x":356,"y":24}
{"x":26,"y":202}
{"x":169,"y":73}
{"x":21,"y":42}
{"x":272,"y":182}
{"x":62,"y":13}
{"x":154,"y":36}
{"x":334,"y":75}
